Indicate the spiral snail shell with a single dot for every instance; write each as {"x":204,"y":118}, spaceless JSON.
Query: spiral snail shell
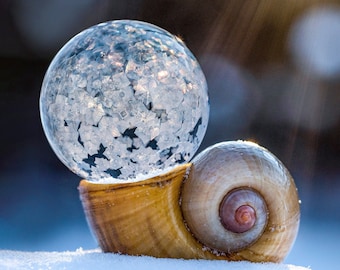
{"x":235,"y":201}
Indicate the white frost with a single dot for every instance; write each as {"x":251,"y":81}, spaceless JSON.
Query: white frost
{"x":95,"y":259}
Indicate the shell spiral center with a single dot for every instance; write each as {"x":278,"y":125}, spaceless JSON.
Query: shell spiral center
{"x":239,"y":210}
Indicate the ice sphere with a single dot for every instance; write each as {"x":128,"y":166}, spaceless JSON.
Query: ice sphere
{"x":123,"y":100}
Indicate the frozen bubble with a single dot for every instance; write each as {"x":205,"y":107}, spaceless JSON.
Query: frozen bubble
{"x":124,"y":98}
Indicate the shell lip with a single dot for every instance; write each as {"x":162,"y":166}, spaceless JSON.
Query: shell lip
{"x":159,"y":180}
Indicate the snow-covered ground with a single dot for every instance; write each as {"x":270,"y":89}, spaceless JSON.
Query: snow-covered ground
{"x":94,"y":259}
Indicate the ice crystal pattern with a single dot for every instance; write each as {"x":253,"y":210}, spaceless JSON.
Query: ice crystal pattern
{"x":124,"y":99}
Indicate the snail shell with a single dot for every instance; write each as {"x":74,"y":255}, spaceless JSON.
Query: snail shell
{"x":235,"y":201}
{"x":239,"y":198}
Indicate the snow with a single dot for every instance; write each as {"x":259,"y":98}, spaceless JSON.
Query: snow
{"x":95,"y":259}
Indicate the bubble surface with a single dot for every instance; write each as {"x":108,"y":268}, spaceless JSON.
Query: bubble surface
{"x":124,"y":100}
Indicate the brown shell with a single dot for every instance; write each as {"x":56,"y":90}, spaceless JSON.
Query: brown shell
{"x":146,"y":217}
{"x":142,"y":218}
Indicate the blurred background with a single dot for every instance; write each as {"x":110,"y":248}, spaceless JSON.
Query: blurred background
{"x":273,"y":71}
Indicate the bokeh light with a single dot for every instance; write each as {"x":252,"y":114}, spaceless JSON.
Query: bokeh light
{"x":234,"y":98}
{"x":314,"y":41}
